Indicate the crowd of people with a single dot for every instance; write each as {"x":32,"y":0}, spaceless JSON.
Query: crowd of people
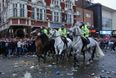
{"x":14,"y":46}
{"x":108,"y":44}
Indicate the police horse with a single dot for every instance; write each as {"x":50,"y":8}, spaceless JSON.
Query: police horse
{"x":43,"y":45}
{"x":59,"y":45}
{"x":77,"y":45}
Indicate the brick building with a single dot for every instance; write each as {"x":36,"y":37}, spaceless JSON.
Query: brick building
{"x":28,"y":14}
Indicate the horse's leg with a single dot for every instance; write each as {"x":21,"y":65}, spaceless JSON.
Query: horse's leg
{"x":93,"y":54}
{"x":38,"y":57}
{"x":43,"y":57}
{"x":53,"y":53}
{"x":38,"y":54}
{"x":56,"y":54}
{"x":45,"y":53}
{"x":69,"y":53}
{"x":83,"y":56}
{"x":76,"y":62}
{"x":61,"y":54}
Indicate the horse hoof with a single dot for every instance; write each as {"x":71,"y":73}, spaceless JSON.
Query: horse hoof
{"x":76,"y":65}
{"x":91,"y":61}
{"x":76,"y":68}
{"x":88,"y":63}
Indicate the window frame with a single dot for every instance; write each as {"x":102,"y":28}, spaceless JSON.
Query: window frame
{"x":68,"y":4}
{"x":15,"y":10}
{"x":40,"y":12}
{"x":69,"y":18}
{"x":22,"y":10}
{"x":56,"y":16}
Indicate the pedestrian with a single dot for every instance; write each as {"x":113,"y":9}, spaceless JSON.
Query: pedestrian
{"x":19,"y":47}
{"x":45,"y":31}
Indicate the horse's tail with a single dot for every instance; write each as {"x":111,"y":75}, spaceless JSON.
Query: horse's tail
{"x":98,"y":50}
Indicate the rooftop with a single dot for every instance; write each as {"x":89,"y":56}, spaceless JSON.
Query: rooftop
{"x":108,"y":9}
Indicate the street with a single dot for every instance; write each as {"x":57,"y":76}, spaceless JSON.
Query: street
{"x":28,"y":67}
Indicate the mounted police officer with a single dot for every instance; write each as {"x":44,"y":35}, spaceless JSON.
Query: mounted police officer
{"x":84,"y":34}
{"x":45,"y":31}
{"x":63,"y":33}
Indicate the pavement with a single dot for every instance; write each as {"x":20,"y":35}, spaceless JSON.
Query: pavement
{"x":28,"y":67}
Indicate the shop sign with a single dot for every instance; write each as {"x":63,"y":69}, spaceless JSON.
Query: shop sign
{"x":55,"y":25}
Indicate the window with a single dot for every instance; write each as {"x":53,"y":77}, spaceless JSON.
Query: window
{"x":69,"y":18}
{"x":68,"y":4}
{"x":56,"y":16}
{"x":107,"y":23}
{"x":22,"y":7}
{"x":14,"y":10}
{"x":40,"y":14}
{"x":33,"y":13}
{"x":56,"y":2}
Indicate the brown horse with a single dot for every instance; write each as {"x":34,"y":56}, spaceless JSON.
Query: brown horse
{"x":39,"y":47}
{"x":43,"y":45}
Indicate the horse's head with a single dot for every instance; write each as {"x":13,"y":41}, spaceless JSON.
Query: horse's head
{"x":50,"y":31}
{"x":79,"y":24}
{"x":53,"y":33}
{"x":75,"y":30}
{"x":35,"y":34}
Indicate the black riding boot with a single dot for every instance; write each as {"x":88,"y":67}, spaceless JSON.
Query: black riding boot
{"x":65,"y":41}
{"x":84,"y":43}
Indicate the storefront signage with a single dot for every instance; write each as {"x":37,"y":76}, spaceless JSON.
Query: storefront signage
{"x":55,"y":25}
{"x":106,"y":32}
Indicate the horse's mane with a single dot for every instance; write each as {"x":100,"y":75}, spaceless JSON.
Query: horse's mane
{"x":37,"y":37}
{"x":79,"y":30}
{"x":76,"y":30}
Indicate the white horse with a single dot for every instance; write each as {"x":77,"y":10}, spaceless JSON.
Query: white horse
{"x":59,"y":44}
{"x":77,"y":45}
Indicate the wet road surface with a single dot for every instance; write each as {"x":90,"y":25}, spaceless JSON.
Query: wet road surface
{"x":28,"y":67}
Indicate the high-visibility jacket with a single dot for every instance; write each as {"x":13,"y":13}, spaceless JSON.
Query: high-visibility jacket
{"x":84,"y":31}
{"x":45,"y":31}
{"x":60,"y":31}
{"x":64,"y":32}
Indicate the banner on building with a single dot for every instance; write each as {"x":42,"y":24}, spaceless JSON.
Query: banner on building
{"x":56,"y":25}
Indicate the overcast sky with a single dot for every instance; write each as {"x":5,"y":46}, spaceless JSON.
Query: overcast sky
{"x":108,"y":3}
